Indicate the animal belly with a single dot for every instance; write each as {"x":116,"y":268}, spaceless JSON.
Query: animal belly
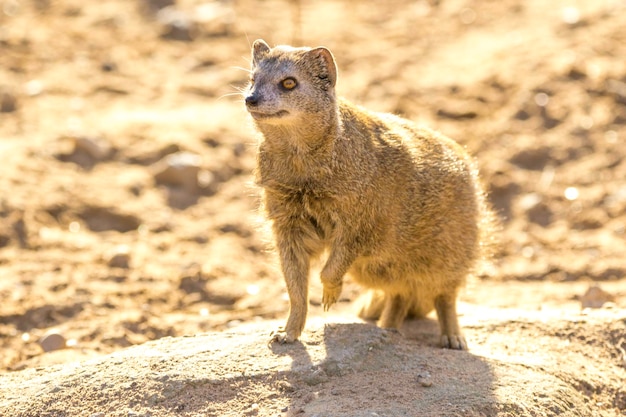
{"x":387,"y":276}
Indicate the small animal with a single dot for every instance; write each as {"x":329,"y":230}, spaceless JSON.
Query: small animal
{"x":397,"y":206}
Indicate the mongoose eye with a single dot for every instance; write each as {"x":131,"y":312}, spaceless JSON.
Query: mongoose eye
{"x":289,"y":83}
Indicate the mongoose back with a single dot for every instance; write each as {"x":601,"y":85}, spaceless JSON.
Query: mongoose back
{"x":397,"y":206}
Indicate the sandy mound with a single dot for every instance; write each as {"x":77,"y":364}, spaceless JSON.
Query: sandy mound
{"x":523,"y":366}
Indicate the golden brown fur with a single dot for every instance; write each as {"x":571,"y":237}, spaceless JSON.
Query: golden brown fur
{"x":397,"y":206}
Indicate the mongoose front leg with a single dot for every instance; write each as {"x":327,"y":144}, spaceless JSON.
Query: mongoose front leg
{"x":295,"y":268}
{"x":451,"y":336}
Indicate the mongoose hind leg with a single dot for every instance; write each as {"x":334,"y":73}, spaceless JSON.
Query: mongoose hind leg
{"x":451,"y":336}
{"x":371,"y":304}
{"x":394,"y":311}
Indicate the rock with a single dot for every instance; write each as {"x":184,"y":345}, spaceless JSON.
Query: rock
{"x":119,"y":257}
{"x":52,"y":341}
{"x":154,"y":6}
{"x":424,"y":379}
{"x":457,"y":113}
{"x":5,"y":239}
{"x":20,"y":230}
{"x":537,"y":210}
{"x":215,"y":18}
{"x":182,"y":173}
{"x":179,"y":169}
{"x":34,"y":88}
{"x":13,"y":228}
{"x":212,"y":18}
{"x":8,"y":102}
{"x":177,"y":24}
{"x":595,"y":297}
{"x":532,"y":158}
{"x":102,"y":219}
{"x":86,"y":151}
{"x":146,"y":155}
{"x":96,"y":148}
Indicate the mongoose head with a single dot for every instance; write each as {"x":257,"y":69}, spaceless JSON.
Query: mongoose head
{"x":288,"y":84}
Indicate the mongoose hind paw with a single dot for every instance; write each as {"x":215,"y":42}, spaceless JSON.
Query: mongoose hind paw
{"x":453,"y":342}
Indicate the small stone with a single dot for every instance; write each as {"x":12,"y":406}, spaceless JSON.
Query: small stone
{"x":285,"y":386}
{"x":5,"y":239}
{"x":108,"y":66}
{"x":33,"y":88}
{"x":595,"y":297}
{"x":84,"y":150}
{"x":52,"y":341}
{"x":8,"y":102}
{"x":177,"y":25}
{"x":97,"y":149}
{"x":179,"y":169}
{"x":156,"y":5}
{"x":424,"y":379}
{"x":316,"y":377}
{"x":253,"y":410}
{"x":119,"y":257}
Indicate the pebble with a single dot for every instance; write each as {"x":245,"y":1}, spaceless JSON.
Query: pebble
{"x":119,"y":257}
{"x":424,"y":379}
{"x":253,"y":410}
{"x":156,"y":5}
{"x":52,"y":341}
{"x":177,"y":25}
{"x":178,"y":169}
{"x":8,"y":102}
{"x":595,"y":297}
{"x":33,"y":88}
{"x":570,"y":15}
{"x":98,"y":149}
{"x":285,"y":386}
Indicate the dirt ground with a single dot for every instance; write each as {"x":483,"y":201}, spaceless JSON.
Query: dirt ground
{"x":127,"y":211}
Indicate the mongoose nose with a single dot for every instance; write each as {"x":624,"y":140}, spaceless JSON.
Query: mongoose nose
{"x":252,"y":100}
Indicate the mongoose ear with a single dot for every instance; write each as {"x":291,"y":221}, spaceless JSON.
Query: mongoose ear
{"x":259,"y":49}
{"x":328,"y":61}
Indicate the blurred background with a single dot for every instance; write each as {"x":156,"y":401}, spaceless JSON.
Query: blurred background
{"x":127,"y":211}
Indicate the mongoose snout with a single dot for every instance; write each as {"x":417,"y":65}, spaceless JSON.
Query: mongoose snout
{"x":252,"y":100}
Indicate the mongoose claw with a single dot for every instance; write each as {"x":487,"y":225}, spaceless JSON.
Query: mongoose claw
{"x":281,"y":337}
{"x":453,"y":342}
{"x":330,"y":296}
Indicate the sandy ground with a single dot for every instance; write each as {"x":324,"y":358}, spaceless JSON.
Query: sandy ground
{"x":344,"y":369}
{"x":126,"y":208}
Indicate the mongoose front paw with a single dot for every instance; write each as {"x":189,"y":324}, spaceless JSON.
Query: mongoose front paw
{"x":281,"y":336}
{"x":330,"y":296}
{"x":453,"y":342}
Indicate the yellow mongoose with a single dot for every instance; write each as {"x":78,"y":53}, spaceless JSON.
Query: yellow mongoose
{"x":395,"y":205}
